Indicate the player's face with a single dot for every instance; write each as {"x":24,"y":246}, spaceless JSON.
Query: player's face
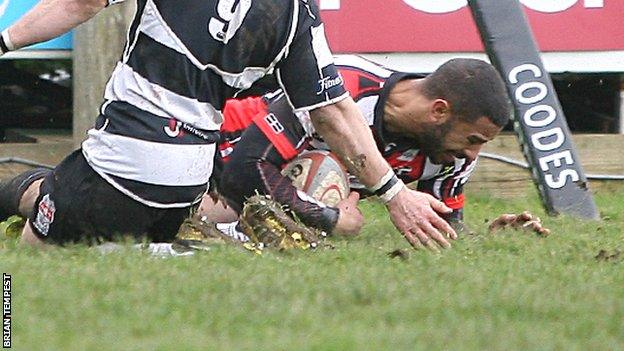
{"x":457,"y":138}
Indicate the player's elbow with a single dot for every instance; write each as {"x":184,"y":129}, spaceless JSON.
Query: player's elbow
{"x":85,"y":8}
{"x":332,"y":117}
{"x":324,"y":117}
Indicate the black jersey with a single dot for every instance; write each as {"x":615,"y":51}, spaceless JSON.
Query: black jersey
{"x":154,"y":139}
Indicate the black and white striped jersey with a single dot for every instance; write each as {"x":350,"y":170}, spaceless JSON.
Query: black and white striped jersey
{"x":154,"y":139}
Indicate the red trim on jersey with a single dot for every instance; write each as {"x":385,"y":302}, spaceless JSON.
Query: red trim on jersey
{"x":456,"y":202}
{"x":238,"y":114}
{"x":407,"y":169}
{"x":285,"y":148}
{"x":352,"y":78}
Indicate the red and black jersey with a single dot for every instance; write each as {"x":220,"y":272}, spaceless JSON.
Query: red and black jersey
{"x":369,"y":84}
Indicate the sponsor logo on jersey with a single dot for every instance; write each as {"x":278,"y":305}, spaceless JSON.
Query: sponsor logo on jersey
{"x":327,"y":83}
{"x":177,"y":129}
{"x":174,"y":128}
{"x":447,"y":169}
{"x":45,"y":215}
{"x":274,"y":123}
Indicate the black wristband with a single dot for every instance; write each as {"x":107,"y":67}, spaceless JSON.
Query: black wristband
{"x":389,"y":184}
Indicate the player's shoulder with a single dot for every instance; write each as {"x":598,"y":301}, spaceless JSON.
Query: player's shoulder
{"x":359,"y":63}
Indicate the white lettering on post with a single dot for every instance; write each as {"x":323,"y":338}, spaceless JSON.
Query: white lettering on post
{"x":561,"y":181}
{"x":548,"y":140}
{"x":531,"y":113}
{"x":530,"y":91}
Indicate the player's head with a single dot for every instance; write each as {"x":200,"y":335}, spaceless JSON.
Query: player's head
{"x":473,"y":89}
{"x":470,"y":103}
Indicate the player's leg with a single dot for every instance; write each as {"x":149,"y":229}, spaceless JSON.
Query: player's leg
{"x":213,"y":207}
{"x":25,"y":209}
{"x":255,"y":167}
{"x":75,"y":204}
{"x":274,"y":138}
{"x":19,"y":193}
{"x":216,"y":210}
{"x":61,"y":197}
{"x":238,"y":114}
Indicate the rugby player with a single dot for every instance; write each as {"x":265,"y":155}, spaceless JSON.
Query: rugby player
{"x":428,"y":128}
{"x":150,"y":155}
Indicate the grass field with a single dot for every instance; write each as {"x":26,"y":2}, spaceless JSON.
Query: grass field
{"x":508,"y":291}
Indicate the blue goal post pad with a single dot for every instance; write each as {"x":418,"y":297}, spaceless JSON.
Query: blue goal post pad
{"x":539,"y":121}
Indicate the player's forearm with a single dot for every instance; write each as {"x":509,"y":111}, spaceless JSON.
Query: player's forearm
{"x":50,"y":19}
{"x":346,"y":132}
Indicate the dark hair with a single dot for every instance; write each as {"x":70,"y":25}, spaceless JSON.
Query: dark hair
{"x":472,"y":87}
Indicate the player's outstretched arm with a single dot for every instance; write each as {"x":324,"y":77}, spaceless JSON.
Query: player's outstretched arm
{"x":343,"y":128}
{"x":415,"y":214}
{"x":47,"y":20}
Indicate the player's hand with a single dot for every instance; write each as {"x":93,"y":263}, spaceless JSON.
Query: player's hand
{"x":524,"y":220}
{"x":415,"y":214}
{"x":350,"y":220}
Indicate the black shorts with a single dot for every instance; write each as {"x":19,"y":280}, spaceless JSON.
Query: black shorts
{"x":75,"y":204}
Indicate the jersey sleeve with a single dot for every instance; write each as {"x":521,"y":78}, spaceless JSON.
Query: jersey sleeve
{"x":307,"y":74}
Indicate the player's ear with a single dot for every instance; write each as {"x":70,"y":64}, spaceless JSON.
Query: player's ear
{"x":440,"y":111}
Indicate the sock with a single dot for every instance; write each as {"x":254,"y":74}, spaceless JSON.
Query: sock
{"x":233,"y":231}
{"x":11,"y":190}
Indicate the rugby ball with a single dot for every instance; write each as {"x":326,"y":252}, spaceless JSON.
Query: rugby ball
{"x":319,"y":174}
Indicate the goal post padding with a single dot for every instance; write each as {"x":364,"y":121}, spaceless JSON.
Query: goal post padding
{"x":539,"y":121}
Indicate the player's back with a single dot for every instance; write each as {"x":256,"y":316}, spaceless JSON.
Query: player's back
{"x":162,"y":109}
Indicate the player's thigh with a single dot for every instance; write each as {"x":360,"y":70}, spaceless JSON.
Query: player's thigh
{"x":76,"y":204}
{"x":241,"y":177}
